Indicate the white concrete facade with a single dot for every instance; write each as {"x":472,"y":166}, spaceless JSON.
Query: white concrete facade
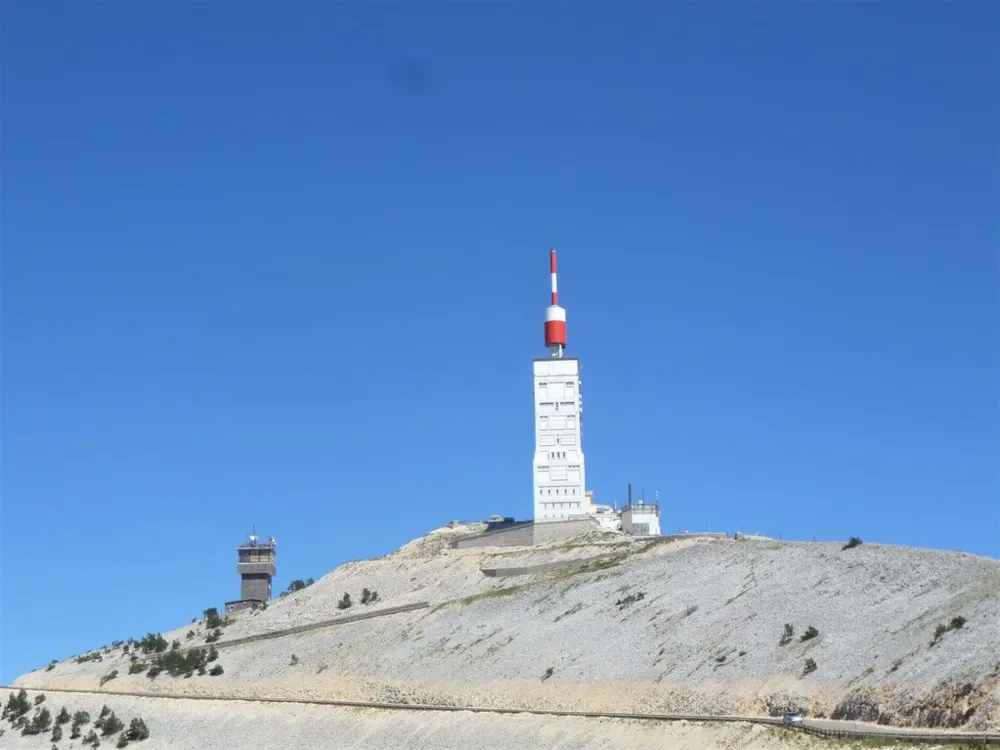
{"x":641,"y":520}
{"x":559,"y":473}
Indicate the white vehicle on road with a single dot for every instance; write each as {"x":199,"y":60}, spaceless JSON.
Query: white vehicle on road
{"x":792,"y":717}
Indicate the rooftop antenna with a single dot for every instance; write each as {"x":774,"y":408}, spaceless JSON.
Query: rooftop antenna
{"x":555,"y":316}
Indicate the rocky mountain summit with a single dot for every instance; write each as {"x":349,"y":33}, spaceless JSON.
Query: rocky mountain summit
{"x":603,"y":622}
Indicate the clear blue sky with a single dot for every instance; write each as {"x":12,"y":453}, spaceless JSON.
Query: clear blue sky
{"x":285,"y":264}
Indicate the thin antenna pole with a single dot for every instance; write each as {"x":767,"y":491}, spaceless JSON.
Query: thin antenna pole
{"x":552,"y":271}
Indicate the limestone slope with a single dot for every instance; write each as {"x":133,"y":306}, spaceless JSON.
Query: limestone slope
{"x":687,"y":626}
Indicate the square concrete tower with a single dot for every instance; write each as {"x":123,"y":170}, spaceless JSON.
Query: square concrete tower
{"x":256,"y":568}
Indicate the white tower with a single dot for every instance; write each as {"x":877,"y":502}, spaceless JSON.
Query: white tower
{"x":559,"y":475}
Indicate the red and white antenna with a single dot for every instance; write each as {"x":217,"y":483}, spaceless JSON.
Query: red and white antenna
{"x":555,"y":316}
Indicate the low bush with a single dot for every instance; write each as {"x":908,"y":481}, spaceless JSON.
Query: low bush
{"x":216,"y":670}
{"x":630,"y":599}
{"x":212,"y":619}
{"x":810,"y":633}
{"x":190,"y":635}
{"x":56,"y":733}
{"x":175,"y":663}
{"x":213,"y":654}
{"x":40,"y":699}
{"x":548,"y":673}
{"x":122,"y":740}
{"x":294,"y":661}
{"x":63,"y":717}
{"x":810,"y":666}
{"x":213,"y":636}
{"x":786,"y":636}
{"x":92,"y":739}
{"x":109,"y":676}
{"x":95,"y":656}
{"x":853,"y":542}
{"x":345,"y":602}
{"x":153,"y":671}
{"x":137,"y":667}
{"x":955,"y":624}
{"x":109,"y":724}
{"x":39,"y":723}
{"x":137,"y":730}
{"x":17,"y":705}
{"x":80,"y":718}
{"x":153,"y":642}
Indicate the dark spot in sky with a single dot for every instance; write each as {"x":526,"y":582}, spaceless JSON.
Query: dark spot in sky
{"x":411,"y":76}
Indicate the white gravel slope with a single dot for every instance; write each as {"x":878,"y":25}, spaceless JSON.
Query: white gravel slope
{"x":875,"y":607}
{"x":231,"y":725}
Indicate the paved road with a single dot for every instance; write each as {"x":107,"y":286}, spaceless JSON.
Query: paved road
{"x":860,"y":728}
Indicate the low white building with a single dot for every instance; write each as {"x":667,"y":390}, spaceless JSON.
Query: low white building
{"x":641,"y":519}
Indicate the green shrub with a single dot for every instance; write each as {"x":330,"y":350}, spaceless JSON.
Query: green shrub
{"x":548,"y":673}
{"x":212,"y":619}
{"x":216,"y":670}
{"x":345,"y":602}
{"x":294,"y":661}
{"x":365,"y":595}
{"x":190,"y":635}
{"x":854,"y":541}
{"x":92,"y":739}
{"x":176,"y":663}
{"x":39,"y":723}
{"x":939,"y":631}
{"x":153,"y":643}
{"x":122,"y":740}
{"x":80,"y":718}
{"x":17,"y":705}
{"x":39,"y":699}
{"x":153,"y":671}
{"x":786,"y":636}
{"x":810,"y":633}
{"x":137,"y":730}
{"x":63,"y":717}
{"x":175,"y":646}
{"x":956,"y":623}
{"x":630,"y":599}
{"x":213,"y":636}
{"x":810,"y":666}
{"x":213,"y":654}
{"x":137,"y":667}
{"x":296,"y":585}
{"x":111,"y":724}
{"x":56,"y":733}
{"x":109,"y":676}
